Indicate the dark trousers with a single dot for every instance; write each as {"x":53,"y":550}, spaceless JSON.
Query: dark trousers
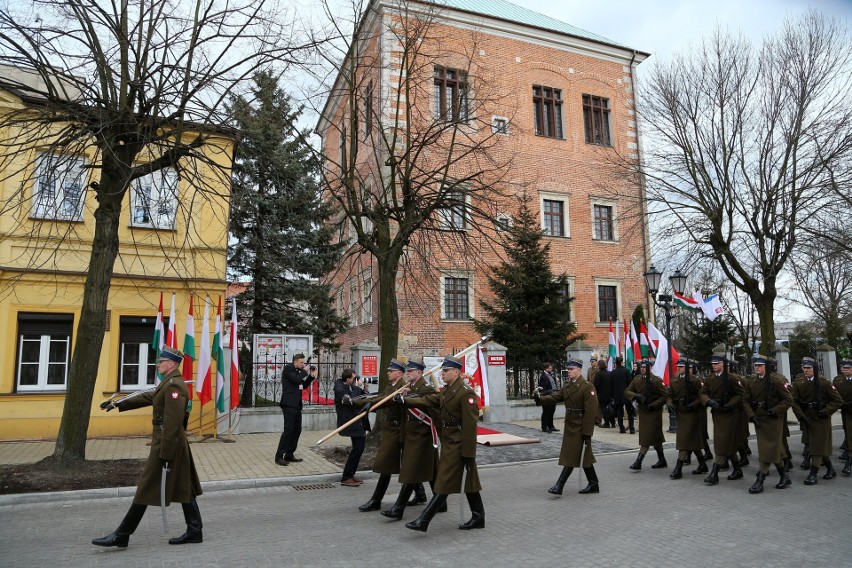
{"x":620,"y":409}
{"x":351,"y":466}
{"x":292,"y":430}
{"x":547,"y":412}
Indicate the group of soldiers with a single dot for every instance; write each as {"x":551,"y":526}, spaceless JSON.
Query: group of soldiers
{"x":761,"y":399}
{"x":413,"y":420}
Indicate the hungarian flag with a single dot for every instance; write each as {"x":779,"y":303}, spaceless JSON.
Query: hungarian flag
{"x":661,"y":346}
{"x":613,"y":348}
{"x":202,"y":381}
{"x":189,"y":350}
{"x":634,"y":342}
{"x":629,"y":356}
{"x":643,"y":340}
{"x":159,"y":335}
{"x":171,"y":336}
{"x":219,"y":357}
{"x":235,"y":357}
{"x":474,"y":365}
{"x":686,"y":302}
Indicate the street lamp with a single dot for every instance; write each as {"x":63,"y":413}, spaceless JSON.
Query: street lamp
{"x":653,"y":277}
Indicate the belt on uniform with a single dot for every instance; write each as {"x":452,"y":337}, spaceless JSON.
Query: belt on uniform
{"x":759,"y":405}
{"x":157,"y":421}
{"x":577,"y":411}
{"x":817,"y":405}
{"x":452,"y":424}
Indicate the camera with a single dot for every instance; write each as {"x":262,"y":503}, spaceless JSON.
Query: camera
{"x":313,"y":368}
{"x":369,"y":380}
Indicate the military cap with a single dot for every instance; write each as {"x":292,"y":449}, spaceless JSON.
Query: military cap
{"x":645,"y":362}
{"x":576,"y":363}
{"x":759,"y":360}
{"x":717,"y":359}
{"x":413,"y":365}
{"x":846,"y":362}
{"x":808,"y":362}
{"x":395,"y":365}
{"x":170,"y":354}
{"x":451,"y":362}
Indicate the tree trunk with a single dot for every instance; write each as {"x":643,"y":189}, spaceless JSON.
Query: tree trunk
{"x":764,"y":305}
{"x":83,"y":374}
{"x":388,"y":312}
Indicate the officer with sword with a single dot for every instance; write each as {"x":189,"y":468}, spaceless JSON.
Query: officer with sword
{"x":169,"y":474}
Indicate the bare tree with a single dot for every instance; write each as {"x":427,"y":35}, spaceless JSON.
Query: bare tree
{"x":412,"y":160}
{"x":742,"y":147}
{"x":139,"y":86}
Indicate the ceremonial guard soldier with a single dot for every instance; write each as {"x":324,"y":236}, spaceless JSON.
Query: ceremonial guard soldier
{"x":684,"y":390}
{"x":650,"y":393}
{"x":843,"y":384}
{"x":458,"y":406}
{"x":581,"y":410}
{"x":814,"y":401}
{"x":420,"y":447}
{"x":772,"y":369}
{"x":169,"y":473}
{"x":722,"y":392}
{"x":389,"y":454}
{"x":765,"y":401}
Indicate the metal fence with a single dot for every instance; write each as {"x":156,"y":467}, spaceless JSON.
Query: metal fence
{"x":265,"y":380}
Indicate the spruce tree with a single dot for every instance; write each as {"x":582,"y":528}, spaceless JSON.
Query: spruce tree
{"x":280,"y":242}
{"x":530,"y":314}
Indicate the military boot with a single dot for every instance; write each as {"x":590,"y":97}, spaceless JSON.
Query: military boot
{"x":784,"y":482}
{"x":831,"y":473}
{"x":661,"y":460}
{"x":758,"y":484}
{"x":677,"y":472}
{"x":560,"y":483}
{"x":396,"y":510}
{"x":193,"y":525}
{"x":637,"y":465}
{"x":708,"y":455}
{"x":713,"y":478}
{"x":806,"y":463}
{"x":702,"y":465}
{"x":847,"y":469}
{"x":121,"y":536}
{"x":375,"y":502}
{"x":812,"y":477}
{"x":477,"y":509}
{"x":788,"y":463}
{"x":592,"y":476}
{"x":419,"y":496}
{"x":737,"y":473}
{"x":726,"y":465}
{"x":421,"y":523}
{"x":743,"y":459}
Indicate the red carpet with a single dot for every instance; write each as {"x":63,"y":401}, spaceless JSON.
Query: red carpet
{"x":480,"y":431}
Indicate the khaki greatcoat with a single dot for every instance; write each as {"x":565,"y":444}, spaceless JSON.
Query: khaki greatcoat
{"x":389,"y":452}
{"x":727,"y":435}
{"x":844,"y":387}
{"x":581,"y":410}
{"x":770,"y":433}
{"x":650,"y":414}
{"x":690,"y":413}
{"x":419,"y":456}
{"x":819,"y":429}
{"x":168,"y":442}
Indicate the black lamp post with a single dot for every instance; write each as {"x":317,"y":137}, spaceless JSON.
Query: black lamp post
{"x":678,"y":281}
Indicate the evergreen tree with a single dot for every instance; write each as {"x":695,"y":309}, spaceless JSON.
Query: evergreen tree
{"x":701,"y":336}
{"x":530,"y":313}
{"x":280,"y":241}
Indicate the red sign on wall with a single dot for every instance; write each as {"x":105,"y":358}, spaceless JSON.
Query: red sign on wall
{"x":496,"y":360}
{"x":369,"y":365}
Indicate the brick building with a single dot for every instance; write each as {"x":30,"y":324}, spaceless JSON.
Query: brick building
{"x":548,"y":107}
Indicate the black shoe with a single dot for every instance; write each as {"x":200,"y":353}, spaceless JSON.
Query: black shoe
{"x":713,"y":478}
{"x":554,"y":429}
{"x":393,"y":513}
{"x":637,"y":465}
{"x":757,"y":487}
{"x":812,"y":477}
{"x":293,"y":459}
{"x":477,"y":521}
{"x":281,"y":461}
{"x":419,"y":496}
{"x":784,"y":482}
{"x":546,"y":430}
{"x":560,"y":483}
{"x":632,"y":430}
{"x":113,"y":539}
{"x":677,"y":472}
{"x":736,"y":474}
{"x":371,"y":505}
{"x":622,"y":430}
{"x":421,"y":523}
{"x":831,"y":473}
{"x":592,"y":487}
{"x":189,"y":537}
{"x":660,"y":464}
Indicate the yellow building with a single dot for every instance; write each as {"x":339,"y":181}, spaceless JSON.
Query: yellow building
{"x":173,"y":240}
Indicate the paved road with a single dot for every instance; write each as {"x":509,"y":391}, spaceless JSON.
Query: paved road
{"x":639,"y":520}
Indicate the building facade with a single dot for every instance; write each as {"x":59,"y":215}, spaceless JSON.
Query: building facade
{"x":548,"y":107}
{"x":173,"y":241}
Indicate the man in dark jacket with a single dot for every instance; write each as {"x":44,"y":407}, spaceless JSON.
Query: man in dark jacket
{"x":547,"y":384}
{"x":169,"y":454}
{"x":603,"y":383}
{"x":619,"y":380}
{"x":344,"y":392}
{"x":294,"y":380}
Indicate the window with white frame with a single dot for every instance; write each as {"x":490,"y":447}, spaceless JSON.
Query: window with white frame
{"x":457,"y":296}
{"x":499,"y":125}
{"x":566,"y":293}
{"x":155,"y":200}
{"x":603,"y":222}
{"x":454,"y":215}
{"x":60,"y":187}
{"x":554,"y":214}
{"x":353,"y":302}
{"x":137,"y":356}
{"x":367,"y":296}
{"x":503,"y":222}
{"x":44,"y":351}
{"x":608,"y":300}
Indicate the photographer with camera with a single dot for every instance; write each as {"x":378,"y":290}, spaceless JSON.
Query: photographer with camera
{"x":345,"y":391}
{"x":294,"y":380}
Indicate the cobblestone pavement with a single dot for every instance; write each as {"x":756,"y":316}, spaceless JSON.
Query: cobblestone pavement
{"x":639,"y":520}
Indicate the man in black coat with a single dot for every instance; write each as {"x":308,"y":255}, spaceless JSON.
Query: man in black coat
{"x":619,"y":380}
{"x":603,"y":383}
{"x":345,"y":391}
{"x":547,"y":384}
{"x":294,"y":380}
